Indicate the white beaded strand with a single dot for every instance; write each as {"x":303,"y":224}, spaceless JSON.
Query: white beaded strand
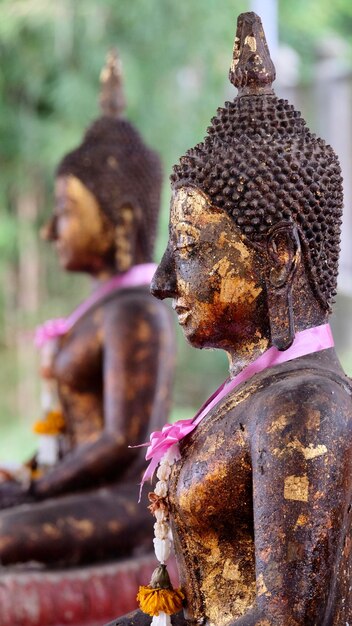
{"x":161,"y":620}
{"x":162,"y":530}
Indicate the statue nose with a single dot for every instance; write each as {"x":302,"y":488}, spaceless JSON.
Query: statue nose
{"x":164,"y":280}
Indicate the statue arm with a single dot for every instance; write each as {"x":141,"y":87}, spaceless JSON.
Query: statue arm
{"x":133,"y":346}
{"x":300,"y":489}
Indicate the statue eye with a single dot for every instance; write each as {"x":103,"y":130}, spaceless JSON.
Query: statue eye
{"x":62,"y":209}
{"x":185,"y":243}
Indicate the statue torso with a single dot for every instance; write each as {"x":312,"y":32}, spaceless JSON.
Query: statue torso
{"x":83,"y":371}
{"x":211,"y":497}
{"x":211,"y":490}
{"x":78,"y":368}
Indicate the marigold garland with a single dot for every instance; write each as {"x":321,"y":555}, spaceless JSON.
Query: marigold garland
{"x":52,"y":424}
{"x":153,"y":601}
{"x":159,"y":599}
{"x":36,"y":473}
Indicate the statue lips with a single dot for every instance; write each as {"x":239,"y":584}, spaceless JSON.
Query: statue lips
{"x":183,"y":313}
{"x":64,"y":254}
{"x":60,"y":249}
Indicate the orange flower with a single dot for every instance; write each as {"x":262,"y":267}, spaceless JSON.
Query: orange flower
{"x":52,"y":424}
{"x":36,"y":473}
{"x":153,"y":601}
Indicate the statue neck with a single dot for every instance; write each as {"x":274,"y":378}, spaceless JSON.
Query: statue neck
{"x":307,"y":313}
{"x":112,"y":269}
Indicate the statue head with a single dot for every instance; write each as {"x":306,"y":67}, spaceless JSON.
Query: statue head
{"x":277,"y":190}
{"x":110,"y":187}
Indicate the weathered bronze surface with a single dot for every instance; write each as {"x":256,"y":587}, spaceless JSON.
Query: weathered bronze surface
{"x":261,"y":498}
{"x":114,"y":368}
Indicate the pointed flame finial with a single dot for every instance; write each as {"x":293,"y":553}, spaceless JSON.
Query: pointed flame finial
{"x":252,"y":70}
{"x":112,"y":100}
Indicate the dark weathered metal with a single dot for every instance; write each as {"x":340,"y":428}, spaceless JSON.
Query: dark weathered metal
{"x":252,"y":70}
{"x":261,"y":497}
{"x":113,"y":368}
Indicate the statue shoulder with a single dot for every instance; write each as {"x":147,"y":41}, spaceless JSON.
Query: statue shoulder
{"x":307,"y":399}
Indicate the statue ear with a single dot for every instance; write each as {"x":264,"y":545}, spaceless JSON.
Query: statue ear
{"x":125,"y":238}
{"x":283,"y":255}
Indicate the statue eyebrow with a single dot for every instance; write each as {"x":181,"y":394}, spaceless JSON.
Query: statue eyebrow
{"x":63,"y":206}
{"x":72,"y":199}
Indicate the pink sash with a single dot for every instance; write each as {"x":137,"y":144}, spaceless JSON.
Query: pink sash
{"x":136,"y":276}
{"x":166,"y":440}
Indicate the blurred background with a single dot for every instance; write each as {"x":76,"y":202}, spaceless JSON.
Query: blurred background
{"x":176,"y":57}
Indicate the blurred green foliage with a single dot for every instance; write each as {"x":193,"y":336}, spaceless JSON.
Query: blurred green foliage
{"x":306,"y":22}
{"x":176,"y":57}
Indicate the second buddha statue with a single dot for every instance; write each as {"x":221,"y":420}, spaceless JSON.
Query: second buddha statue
{"x":112,"y":364}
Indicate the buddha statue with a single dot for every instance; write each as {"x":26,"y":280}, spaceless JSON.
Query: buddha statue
{"x":113,"y":362}
{"x":257,"y":487}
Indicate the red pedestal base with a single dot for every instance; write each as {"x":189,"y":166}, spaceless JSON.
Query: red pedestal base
{"x":88,"y":596}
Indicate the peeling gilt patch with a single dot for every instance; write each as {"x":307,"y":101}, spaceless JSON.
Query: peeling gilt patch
{"x":278,"y":425}
{"x":302,"y":520}
{"x":83,"y":528}
{"x":144,"y":331}
{"x":114,"y":526}
{"x":233,"y":286}
{"x":313,"y":422}
{"x":222,"y":267}
{"x":261,"y":586}
{"x":231,"y":570}
{"x":296,"y":488}
{"x":312,"y":452}
{"x":251,"y":43}
{"x":51,"y":530}
{"x":309,"y":452}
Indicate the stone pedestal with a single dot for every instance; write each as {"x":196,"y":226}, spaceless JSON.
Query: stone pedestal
{"x":86,"y":596}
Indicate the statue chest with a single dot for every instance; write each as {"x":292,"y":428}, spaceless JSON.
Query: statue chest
{"x":77,"y":368}
{"x":214,"y":472}
{"x":78,"y":361}
{"x":212,"y":511}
